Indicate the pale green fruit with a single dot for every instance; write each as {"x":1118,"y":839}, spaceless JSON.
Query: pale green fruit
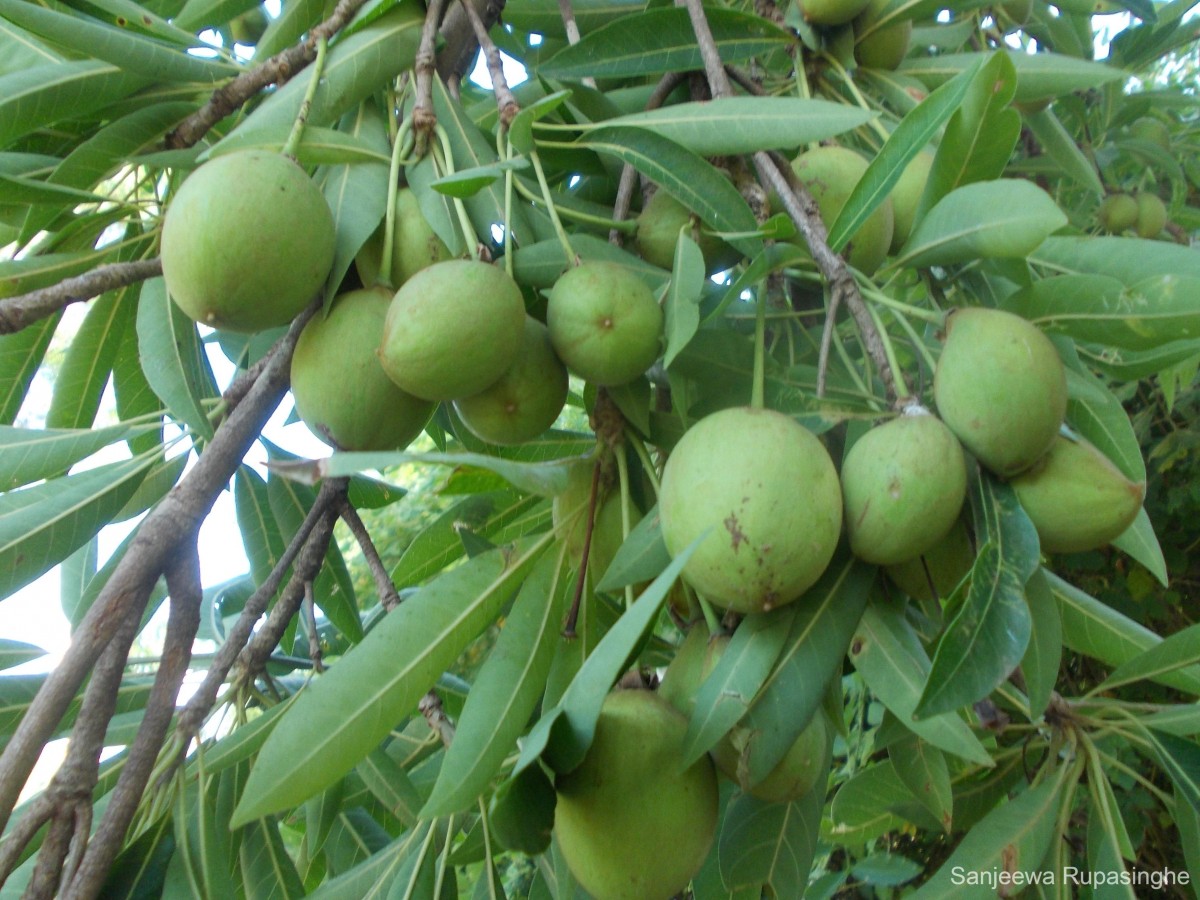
{"x":1150,"y":129}
{"x":882,"y":48}
{"x":904,"y":483}
{"x":830,"y":174}
{"x":247,"y":242}
{"x":521,"y":812}
{"x":604,"y":323}
{"x":800,"y":770}
{"x":686,"y":671}
{"x":1013,"y":14}
{"x":1077,"y":499}
{"x":658,"y":230}
{"x":906,"y":197}
{"x":415,"y":245}
{"x":452,"y":330}
{"x":830,"y":12}
{"x":527,"y":398}
{"x":569,"y":511}
{"x":1151,"y":216}
{"x":768,"y":491}
{"x":1001,"y":388}
{"x":1117,"y":213}
{"x":342,"y":393}
{"x":630,"y":824}
{"x":250,"y":26}
{"x":946,"y":564}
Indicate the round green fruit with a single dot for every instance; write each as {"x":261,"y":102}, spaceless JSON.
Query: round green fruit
{"x":521,"y":812}
{"x":1151,"y":216}
{"x":1077,"y":499}
{"x":686,"y":671}
{"x":342,"y":393}
{"x":658,"y":227}
{"x":904,"y":483}
{"x":880,"y":48}
{"x":250,"y":26}
{"x":1117,"y":213}
{"x":830,"y":12}
{"x":527,"y":398}
{"x":937,"y":571}
{"x":802,"y":767}
{"x":604,"y":323}
{"x":830,"y":174}
{"x":415,"y":245}
{"x":247,"y":243}
{"x":452,"y":330}
{"x":630,"y":824}
{"x":1013,"y":14}
{"x":569,"y":512}
{"x":906,"y":197}
{"x":1153,"y":130}
{"x":768,"y":491}
{"x":1001,"y":387}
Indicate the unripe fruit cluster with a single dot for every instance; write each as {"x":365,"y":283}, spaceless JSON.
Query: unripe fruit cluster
{"x":1144,"y":213}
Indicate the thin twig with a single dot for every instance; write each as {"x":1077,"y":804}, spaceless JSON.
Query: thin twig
{"x":506,"y":103}
{"x":423,"y":118}
{"x":388,"y":595}
{"x":573,"y":614}
{"x":460,"y":47}
{"x":439,"y":723}
{"x":572,"y":29}
{"x":23,"y":310}
{"x":308,"y":608}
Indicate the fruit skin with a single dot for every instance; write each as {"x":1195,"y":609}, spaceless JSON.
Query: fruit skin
{"x":884,"y":48}
{"x":1117,"y":213}
{"x":1150,"y":129}
{"x":452,"y":330}
{"x":768,"y":490}
{"x":568,"y":513}
{"x":604,"y":323}
{"x":1013,"y":14}
{"x":904,"y":483}
{"x":658,"y":229}
{"x":415,"y":245}
{"x":830,"y":174}
{"x":1151,"y":216}
{"x":906,"y":196}
{"x":830,"y":12}
{"x":686,"y":671}
{"x":342,"y":393}
{"x":630,"y":824}
{"x":1077,"y":499}
{"x":521,"y":812}
{"x":1000,"y":387}
{"x":527,"y":398}
{"x":948,"y":561}
{"x":247,"y":242}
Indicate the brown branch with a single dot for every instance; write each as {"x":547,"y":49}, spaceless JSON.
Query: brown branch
{"x":23,"y":310}
{"x":186,"y":595}
{"x":308,"y":609}
{"x":572,"y":29}
{"x":280,"y":67}
{"x":423,"y":117}
{"x":457,"y":55}
{"x":174,"y":520}
{"x":435,"y":716}
{"x":506,"y":103}
{"x":388,"y":596}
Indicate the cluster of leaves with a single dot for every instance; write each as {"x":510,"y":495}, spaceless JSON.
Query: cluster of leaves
{"x":337,"y":785}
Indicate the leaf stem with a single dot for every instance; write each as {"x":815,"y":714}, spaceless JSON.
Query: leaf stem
{"x":626,"y":503}
{"x":626,"y":226}
{"x":443,"y":158}
{"x":572,"y":259}
{"x":404,"y":140}
{"x":297,"y":134}
{"x":639,"y":447}
{"x":760,"y":349}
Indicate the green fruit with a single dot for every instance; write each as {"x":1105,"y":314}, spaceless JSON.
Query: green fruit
{"x":686,"y":671}
{"x":906,"y":197}
{"x":250,"y":26}
{"x":247,"y":243}
{"x":830,"y":174}
{"x":1013,"y":14}
{"x":1151,"y":216}
{"x":604,"y":323}
{"x":768,"y":491}
{"x":1152,"y":130}
{"x":569,"y":512}
{"x":658,"y":227}
{"x":521,"y":812}
{"x":1001,"y":388}
{"x":630,"y":824}
{"x":415,"y":246}
{"x":830,"y":12}
{"x":804,"y":765}
{"x":527,"y":398}
{"x":341,"y":392}
{"x":881,"y":48}
{"x":1077,"y":499}
{"x":452,"y":330}
{"x":1117,"y":213}
{"x":904,"y":483}
{"x":946,"y":564}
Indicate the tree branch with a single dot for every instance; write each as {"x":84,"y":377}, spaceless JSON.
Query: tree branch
{"x":23,"y":310}
{"x":388,"y":596}
{"x":506,"y":103}
{"x":458,"y":53}
{"x":423,"y":116}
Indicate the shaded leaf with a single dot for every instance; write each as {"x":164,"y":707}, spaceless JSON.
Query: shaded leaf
{"x":20,"y":356}
{"x":682,"y":307}
{"x":1043,"y":656}
{"x":42,"y":95}
{"x":172,"y":357}
{"x":31,"y":454}
{"x":922,"y":767}
{"x":770,"y":843}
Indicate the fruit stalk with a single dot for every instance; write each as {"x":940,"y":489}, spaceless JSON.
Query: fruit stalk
{"x":297,"y":133}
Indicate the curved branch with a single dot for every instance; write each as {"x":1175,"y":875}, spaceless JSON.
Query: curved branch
{"x":24,"y":309}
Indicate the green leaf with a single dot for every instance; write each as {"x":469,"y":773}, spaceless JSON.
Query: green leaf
{"x":734,"y":125}
{"x":1062,"y":149}
{"x":662,"y":40}
{"x":469,"y":182}
{"x":31,"y":454}
{"x":889,"y":656}
{"x":1180,"y":759}
{"x":1140,"y":542}
{"x":244,"y":741}
{"x":268,"y":872}
{"x":770,"y":843}
{"x":43,"y":95}
{"x":987,"y":637}
{"x":640,"y":558}
{"x":1187,"y":820}
{"x":1098,"y":415}
{"x":1129,"y":260}
{"x":391,"y":786}
{"x":886,"y":870}
{"x":506,"y":691}
{"x":685,"y":175}
{"x":14,"y":653}
{"x":922,"y":767}
{"x":1178,"y":651}
{"x":873,"y":802}
{"x":520,"y":130}
{"x":682,"y":306}
{"x":261,"y":535}
{"x":1043,"y":656}
{"x":20,"y":356}
{"x":318,"y":146}
{"x":173,"y":358}
{"x":1039,"y":75}
{"x":1004,"y":219}
{"x":1107,"y":817}
{"x":203,"y":843}
{"x":20,"y":50}
{"x":372,"y":878}
{"x":43,"y":525}
{"x":84,"y":373}
{"x":342,"y":716}
{"x":539,"y":265}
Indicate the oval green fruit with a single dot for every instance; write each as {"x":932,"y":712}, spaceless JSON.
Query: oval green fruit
{"x":1150,"y":129}
{"x":880,"y":48}
{"x":1151,"y":216}
{"x":937,"y":571}
{"x":1077,"y":499}
{"x":521,"y":812}
{"x":415,"y":245}
{"x":569,"y":512}
{"x":527,"y":398}
{"x":630,"y":824}
{"x":1117,"y":213}
{"x":768,"y":491}
{"x":658,"y":227}
{"x":1013,"y":14}
{"x":801,"y":769}
{"x":604,"y":323}
{"x":830,"y":12}
{"x":686,"y":671}
{"x":906,"y":197}
{"x":1000,"y":387}
{"x":247,"y":243}
{"x":831,"y":174}
{"x":342,"y":393}
{"x":452,"y":330}
{"x":904,"y":483}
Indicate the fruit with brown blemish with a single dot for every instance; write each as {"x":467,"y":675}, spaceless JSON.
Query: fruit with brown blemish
{"x":766,"y":492}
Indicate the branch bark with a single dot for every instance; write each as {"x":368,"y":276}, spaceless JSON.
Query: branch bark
{"x":23,"y":310}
